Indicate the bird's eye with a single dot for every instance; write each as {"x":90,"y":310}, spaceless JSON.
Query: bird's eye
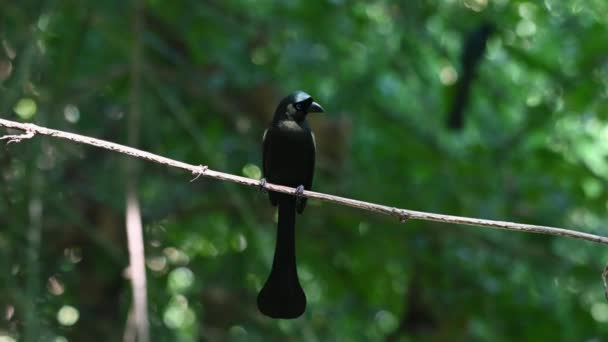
{"x":298,"y":106}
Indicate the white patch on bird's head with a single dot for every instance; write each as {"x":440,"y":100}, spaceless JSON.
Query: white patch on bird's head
{"x":290,"y":110}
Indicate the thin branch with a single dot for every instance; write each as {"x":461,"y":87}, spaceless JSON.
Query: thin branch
{"x":137,"y":267}
{"x":15,"y":138}
{"x":401,"y":214}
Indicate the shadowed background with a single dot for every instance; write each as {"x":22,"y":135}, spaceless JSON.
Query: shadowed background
{"x":530,"y":147}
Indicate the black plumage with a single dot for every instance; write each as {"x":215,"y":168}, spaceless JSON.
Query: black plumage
{"x":288,"y":159}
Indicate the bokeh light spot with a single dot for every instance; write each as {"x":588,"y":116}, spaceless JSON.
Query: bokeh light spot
{"x":157,"y":263}
{"x":55,"y":287}
{"x":68,"y":315}
{"x":599,"y":312}
{"x":448,"y":75}
{"x":525,"y":28}
{"x":178,"y":315}
{"x":526,"y":10}
{"x":26,"y":108}
{"x":176,"y":256}
{"x":71,"y":113}
{"x":180,"y":279}
{"x":252,"y":171}
{"x":386,"y":321}
{"x":476,"y":5}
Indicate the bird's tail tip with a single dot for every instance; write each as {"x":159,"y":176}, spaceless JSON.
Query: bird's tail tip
{"x":281,"y":302}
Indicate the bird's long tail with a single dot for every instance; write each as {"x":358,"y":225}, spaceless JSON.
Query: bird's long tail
{"x":282,"y":296}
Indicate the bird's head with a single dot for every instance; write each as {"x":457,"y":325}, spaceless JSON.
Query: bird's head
{"x":296,"y":106}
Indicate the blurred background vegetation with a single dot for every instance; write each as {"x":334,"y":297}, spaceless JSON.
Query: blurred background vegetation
{"x":532,"y":149}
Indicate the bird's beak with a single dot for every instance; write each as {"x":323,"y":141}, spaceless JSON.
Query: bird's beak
{"x":315,"y":108}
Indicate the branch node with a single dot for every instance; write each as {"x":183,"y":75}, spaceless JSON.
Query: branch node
{"x":201,"y":171}
{"x":402,"y":215}
{"x":15,"y":138}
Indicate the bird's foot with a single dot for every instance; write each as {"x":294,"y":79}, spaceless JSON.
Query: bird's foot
{"x":262,"y":185}
{"x":298,"y":193}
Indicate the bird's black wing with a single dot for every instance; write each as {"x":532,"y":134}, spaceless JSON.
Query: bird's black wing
{"x":310,"y":163}
{"x":266,"y":161}
{"x":311,"y":157}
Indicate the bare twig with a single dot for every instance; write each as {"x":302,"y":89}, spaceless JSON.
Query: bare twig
{"x":15,"y":138}
{"x":137,"y":267}
{"x":401,"y":214}
{"x":130,"y":333}
{"x":201,"y":170}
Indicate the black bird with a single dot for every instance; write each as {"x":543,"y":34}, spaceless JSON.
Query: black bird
{"x":288,"y":159}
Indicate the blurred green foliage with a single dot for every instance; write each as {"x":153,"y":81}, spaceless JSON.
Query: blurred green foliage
{"x":533,"y":150}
